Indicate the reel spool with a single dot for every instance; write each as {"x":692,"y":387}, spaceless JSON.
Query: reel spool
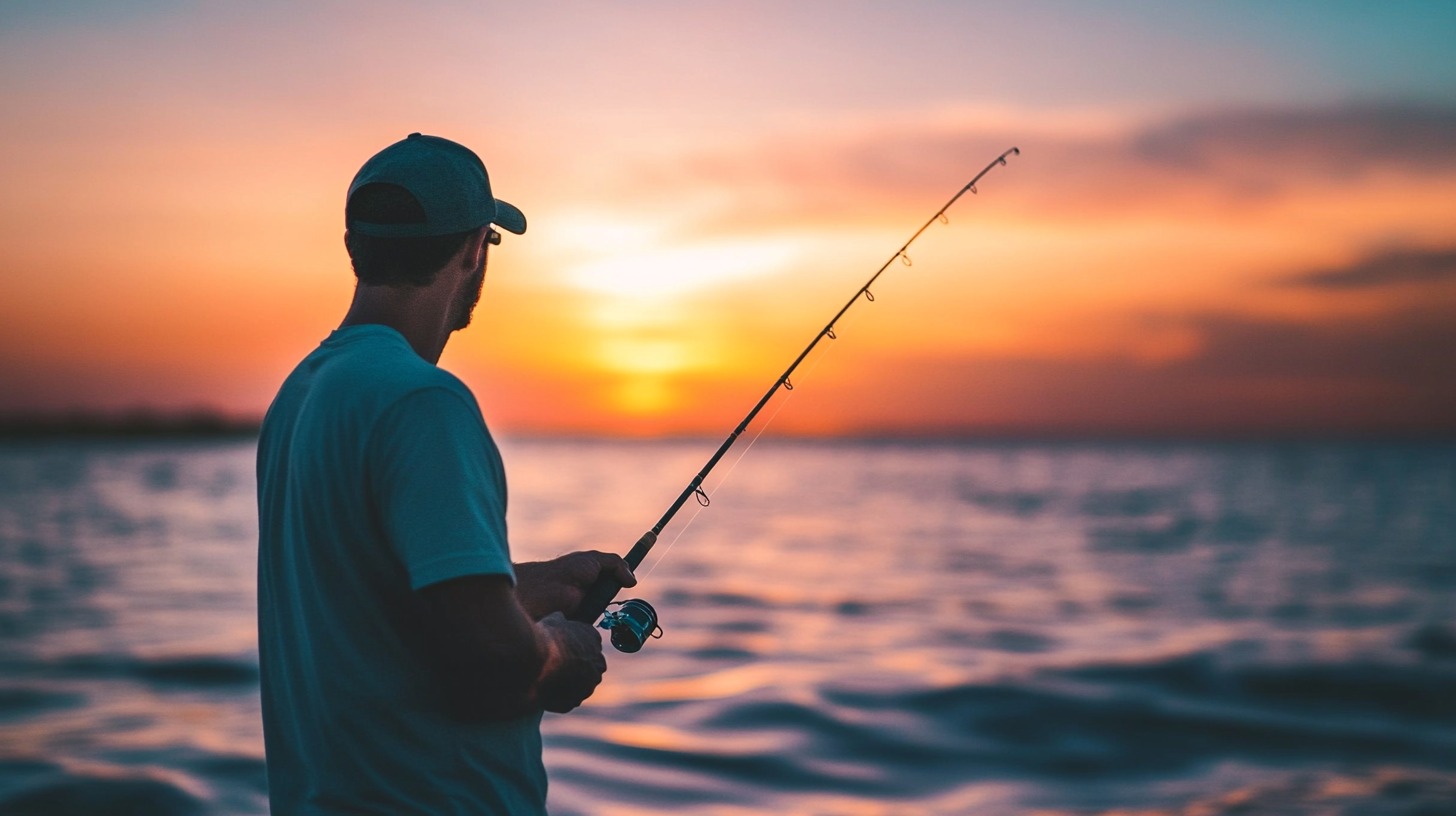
{"x":631,"y":624}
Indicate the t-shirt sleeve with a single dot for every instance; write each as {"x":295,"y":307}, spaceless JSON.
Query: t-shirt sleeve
{"x":439,"y":488}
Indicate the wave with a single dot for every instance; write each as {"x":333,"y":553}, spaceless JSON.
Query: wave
{"x":81,"y":795}
{"x":1420,"y":692}
{"x":1055,"y":732}
{"x":210,"y":671}
{"x":21,"y":702}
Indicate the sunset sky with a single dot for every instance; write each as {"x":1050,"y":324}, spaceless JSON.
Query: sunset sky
{"x":1227,"y":217}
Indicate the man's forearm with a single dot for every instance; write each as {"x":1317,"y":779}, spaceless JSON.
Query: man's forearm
{"x":489,"y":653}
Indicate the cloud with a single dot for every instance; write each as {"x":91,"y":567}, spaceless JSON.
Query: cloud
{"x":1223,"y":160}
{"x":1387,"y":268}
{"x":1383,"y":374}
{"x":1337,"y":141}
{"x":1414,"y":348}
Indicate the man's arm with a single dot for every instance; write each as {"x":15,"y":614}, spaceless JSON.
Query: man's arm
{"x":496,"y":662}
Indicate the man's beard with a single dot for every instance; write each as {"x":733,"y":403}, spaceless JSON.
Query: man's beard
{"x":469,"y":296}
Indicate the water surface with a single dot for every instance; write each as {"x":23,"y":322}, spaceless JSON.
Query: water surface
{"x":851,"y":627}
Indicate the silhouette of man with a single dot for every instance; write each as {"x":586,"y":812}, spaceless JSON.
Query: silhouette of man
{"x":405,"y":660}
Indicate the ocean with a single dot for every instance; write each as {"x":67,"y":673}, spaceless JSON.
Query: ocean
{"x":852,"y":627}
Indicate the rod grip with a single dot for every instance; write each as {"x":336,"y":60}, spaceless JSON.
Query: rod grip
{"x":594,"y":603}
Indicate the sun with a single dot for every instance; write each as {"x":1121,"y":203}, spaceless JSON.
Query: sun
{"x":644,"y":396}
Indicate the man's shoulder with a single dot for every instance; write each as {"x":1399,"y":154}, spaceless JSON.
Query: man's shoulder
{"x":377,"y":360}
{"x":360,"y":375}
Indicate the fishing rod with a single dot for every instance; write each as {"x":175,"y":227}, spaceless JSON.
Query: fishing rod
{"x":635,"y":620}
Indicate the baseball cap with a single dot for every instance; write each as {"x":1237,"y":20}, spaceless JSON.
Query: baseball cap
{"x":445,"y":178}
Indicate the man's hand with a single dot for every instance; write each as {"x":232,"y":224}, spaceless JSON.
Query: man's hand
{"x":558,"y":585}
{"x":575,"y":666}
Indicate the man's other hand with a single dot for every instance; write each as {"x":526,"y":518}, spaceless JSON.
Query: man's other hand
{"x":558,"y":585}
{"x":575,"y":667}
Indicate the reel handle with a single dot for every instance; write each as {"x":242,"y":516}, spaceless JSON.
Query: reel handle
{"x":595,"y":602}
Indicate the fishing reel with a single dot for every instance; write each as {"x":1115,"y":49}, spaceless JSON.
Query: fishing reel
{"x":631,"y":624}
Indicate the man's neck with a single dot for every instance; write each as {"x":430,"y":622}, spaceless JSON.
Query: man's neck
{"x":410,"y":311}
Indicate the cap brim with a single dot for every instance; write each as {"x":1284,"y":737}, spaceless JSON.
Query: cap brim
{"x":509,"y":218}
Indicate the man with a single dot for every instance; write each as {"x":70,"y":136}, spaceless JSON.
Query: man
{"x":405,"y":660}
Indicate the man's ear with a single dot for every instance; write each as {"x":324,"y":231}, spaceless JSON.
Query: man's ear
{"x":475,"y":247}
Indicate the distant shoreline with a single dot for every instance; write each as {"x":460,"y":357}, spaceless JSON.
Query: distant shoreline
{"x":204,"y":424}
{"x":135,"y":425}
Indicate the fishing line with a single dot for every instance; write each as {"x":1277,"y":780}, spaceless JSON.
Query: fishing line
{"x":634,"y":621}
{"x":733,"y":465}
{"x":722,"y":479}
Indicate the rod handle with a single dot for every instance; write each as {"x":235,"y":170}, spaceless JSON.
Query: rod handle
{"x":594,"y":603}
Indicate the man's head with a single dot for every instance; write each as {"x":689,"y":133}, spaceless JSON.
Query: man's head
{"x":415,"y":205}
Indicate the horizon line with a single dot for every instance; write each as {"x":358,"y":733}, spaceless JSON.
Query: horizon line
{"x":209,"y":423}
